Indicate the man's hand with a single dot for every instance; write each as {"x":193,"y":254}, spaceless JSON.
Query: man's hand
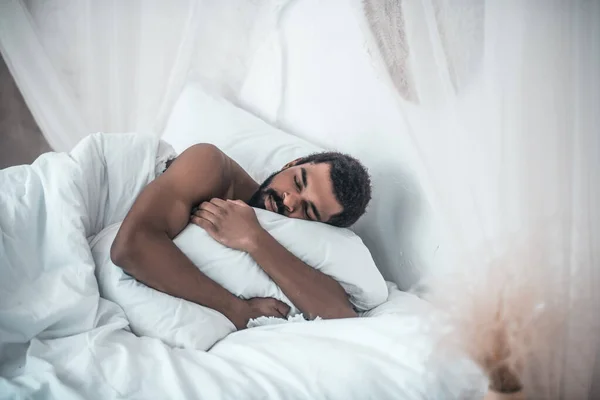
{"x":258,"y":307}
{"x":232,"y":223}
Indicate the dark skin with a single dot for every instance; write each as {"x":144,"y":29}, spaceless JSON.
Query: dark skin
{"x":204,"y":176}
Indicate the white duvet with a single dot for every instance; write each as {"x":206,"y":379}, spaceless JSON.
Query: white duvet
{"x":60,"y":339}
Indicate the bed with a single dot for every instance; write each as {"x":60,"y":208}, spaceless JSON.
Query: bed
{"x":61,"y":339}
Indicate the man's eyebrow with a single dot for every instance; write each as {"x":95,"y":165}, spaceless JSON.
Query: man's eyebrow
{"x":310,"y":203}
{"x":315,"y":211}
{"x":303,"y":176}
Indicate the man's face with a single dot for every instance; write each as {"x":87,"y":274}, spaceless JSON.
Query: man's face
{"x":299,"y":191}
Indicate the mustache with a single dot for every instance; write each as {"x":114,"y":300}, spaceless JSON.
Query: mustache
{"x":277,"y":199}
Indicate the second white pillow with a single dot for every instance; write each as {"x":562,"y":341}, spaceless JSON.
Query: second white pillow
{"x":336,"y":252}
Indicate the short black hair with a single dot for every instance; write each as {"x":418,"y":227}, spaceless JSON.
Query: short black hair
{"x":351,"y":185}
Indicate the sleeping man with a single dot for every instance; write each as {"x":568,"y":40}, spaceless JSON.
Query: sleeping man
{"x":206,"y":187}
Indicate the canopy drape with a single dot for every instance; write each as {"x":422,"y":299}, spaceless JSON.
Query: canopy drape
{"x":118,"y":66}
{"x":508,"y":129}
{"x":506,"y":95}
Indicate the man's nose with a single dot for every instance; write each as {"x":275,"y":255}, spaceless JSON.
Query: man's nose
{"x":290,"y":201}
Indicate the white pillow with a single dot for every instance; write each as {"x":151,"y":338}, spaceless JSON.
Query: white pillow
{"x":176,"y":322}
{"x":336,"y":252}
{"x":202,"y":117}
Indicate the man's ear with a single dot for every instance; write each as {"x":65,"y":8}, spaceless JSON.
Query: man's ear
{"x":291,"y":163}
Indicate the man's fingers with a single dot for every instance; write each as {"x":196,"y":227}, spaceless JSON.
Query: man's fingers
{"x":219,"y":202}
{"x":203,"y":223}
{"x":282,"y":308}
{"x":239,"y":203}
{"x":270,"y":307}
{"x":211,"y":208}
{"x":207,"y":215}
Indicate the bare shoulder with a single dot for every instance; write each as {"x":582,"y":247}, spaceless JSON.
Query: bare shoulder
{"x":202,"y":151}
{"x":202,"y":171}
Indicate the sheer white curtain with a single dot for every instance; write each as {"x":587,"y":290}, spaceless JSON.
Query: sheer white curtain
{"x":508,"y":129}
{"x":503,"y":95}
{"x":116,"y":66}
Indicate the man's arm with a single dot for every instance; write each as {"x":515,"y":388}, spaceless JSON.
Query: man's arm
{"x":313,"y":292}
{"x":144,"y":248}
{"x":234,"y":224}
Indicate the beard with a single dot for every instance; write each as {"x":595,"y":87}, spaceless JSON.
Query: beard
{"x":262,"y":194}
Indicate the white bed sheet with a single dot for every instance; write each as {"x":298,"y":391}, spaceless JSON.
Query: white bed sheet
{"x":389,"y":356}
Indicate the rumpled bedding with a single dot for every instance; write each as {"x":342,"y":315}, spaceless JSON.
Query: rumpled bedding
{"x":60,"y":339}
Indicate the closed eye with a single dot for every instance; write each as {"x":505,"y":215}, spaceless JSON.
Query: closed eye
{"x":297,"y":183}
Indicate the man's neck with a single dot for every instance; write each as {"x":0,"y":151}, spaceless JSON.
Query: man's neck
{"x":243,"y":184}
